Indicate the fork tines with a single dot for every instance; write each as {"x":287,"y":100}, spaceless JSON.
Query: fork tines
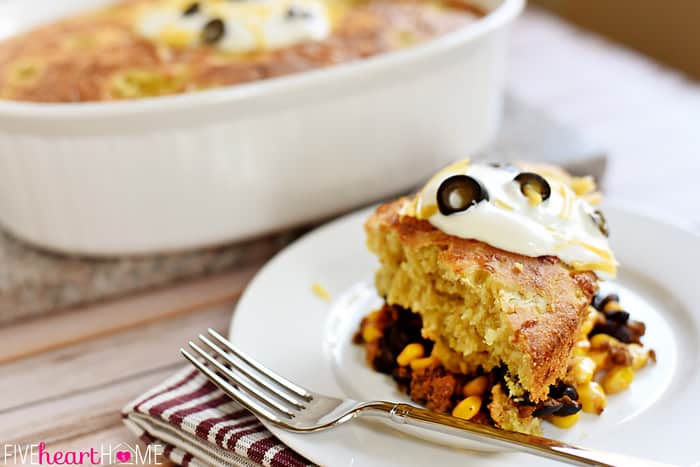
{"x":256,"y":387}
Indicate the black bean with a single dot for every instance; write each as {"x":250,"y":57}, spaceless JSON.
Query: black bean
{"x":613,"y":297}
{"x":499,"y":374}
{"x":411,"y":323}
{"x":414,"y":335}
{"x":562,"y":389}
{"x":617,"y":330}
{"x":192,"y":9}
{"x":405,"y":315}
{"x":397,"y":339}
{"x":623,"y":334}
{"x":427,"y":346}
{"x":608,"y":327}
{"x":571,"y":392}
{"x":547,"y":407}
{"x":555,"y":390}
{"x":402,"y":375}
{"x":414,"y":323}
{"x":385,"y":360}
{"x":568,"y":408}
{"x":213,"y":31}
{"x":618,"y":316}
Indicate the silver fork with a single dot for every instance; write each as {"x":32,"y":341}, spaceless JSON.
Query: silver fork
{"x":291,"y":407}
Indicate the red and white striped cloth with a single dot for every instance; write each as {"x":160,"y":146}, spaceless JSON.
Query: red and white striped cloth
{"x":196,"y":425}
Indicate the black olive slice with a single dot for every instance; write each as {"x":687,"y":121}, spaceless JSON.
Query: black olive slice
{"x":600,"y":222}
{"x":536,"y":182}
{"x":213,"y":31}
{"x":191,"y":10}
{"x":458,"y":192}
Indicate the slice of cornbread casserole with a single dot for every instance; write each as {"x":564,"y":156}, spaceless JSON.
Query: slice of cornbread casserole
{"x":489,"y":276}
{"x":482,"y":306}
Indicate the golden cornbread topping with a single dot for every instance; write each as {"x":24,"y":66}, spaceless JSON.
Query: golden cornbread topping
{"x":520,"y":211}
{"x":236,"y":26}
{"x":148,"y":48}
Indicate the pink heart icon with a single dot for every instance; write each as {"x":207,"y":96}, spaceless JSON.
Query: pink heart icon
{"x":123,"y":456}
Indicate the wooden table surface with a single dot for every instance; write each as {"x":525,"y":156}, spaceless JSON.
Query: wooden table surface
{"x":64,"y":378}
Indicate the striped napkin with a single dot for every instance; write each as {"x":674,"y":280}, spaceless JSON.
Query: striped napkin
{"x":194,"y":424}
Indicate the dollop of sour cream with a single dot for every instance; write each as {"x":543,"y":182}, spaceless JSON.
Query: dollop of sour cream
{"x":248,"y":25}
{"x":560,"y":226}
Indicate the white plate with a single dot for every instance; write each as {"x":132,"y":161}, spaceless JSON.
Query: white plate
{"x":281,"y":322}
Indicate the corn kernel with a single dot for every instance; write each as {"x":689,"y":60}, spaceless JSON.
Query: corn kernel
{"x":564,"y":422}
{"x":640,"y":357}
{"x":421,"y":363}
{"x":618,"y":379}
{"x":592,"y":397}
{"x":409,"y":353}
{"x":582,"y":347}
{"x":24,"y":71}
{"x":320,"y":291}
{"x":476,"y":387}
{"x":603,"y":342}
{"x":587,"y":325}
{"x":142,"y":83}
{"x":370,"y":333}
{"x":612,"y":305}
{"x":601,"y":359}
{"x":467,"y":408}
{"x":582,"y":370}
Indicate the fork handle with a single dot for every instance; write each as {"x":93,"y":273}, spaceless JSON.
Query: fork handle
{"x":543,"y":447}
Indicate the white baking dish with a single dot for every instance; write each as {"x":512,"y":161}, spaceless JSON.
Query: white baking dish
{"x":215,"y":166}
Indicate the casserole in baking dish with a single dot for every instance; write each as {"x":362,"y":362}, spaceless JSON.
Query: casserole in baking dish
{"x":145,"y":48}
{"x":196,"y":169}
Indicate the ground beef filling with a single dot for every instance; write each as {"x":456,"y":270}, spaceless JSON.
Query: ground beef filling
{"x":434,"y":387}
{"x":387,"y":332}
